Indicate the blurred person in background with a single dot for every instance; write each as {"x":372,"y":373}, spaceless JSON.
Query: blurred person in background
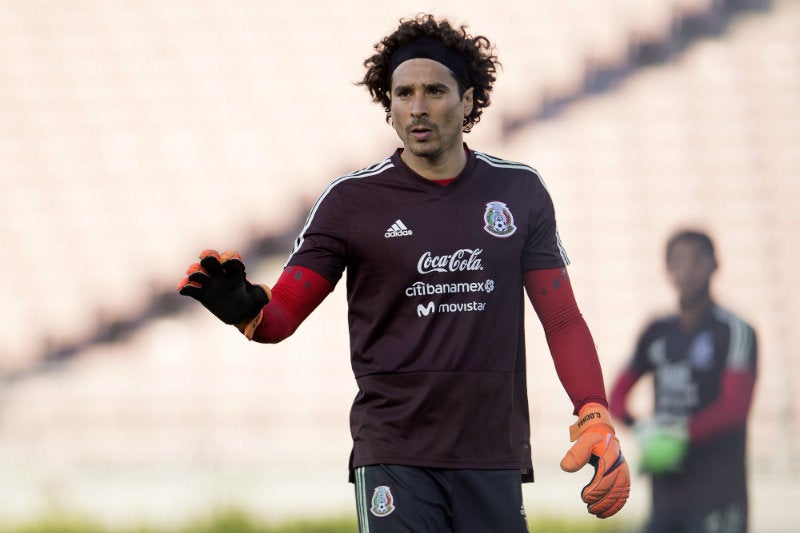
{"x":440,"y":243}
{"x":703,"y":359}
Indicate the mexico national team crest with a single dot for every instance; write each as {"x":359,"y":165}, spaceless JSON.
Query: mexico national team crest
{"x":382,"y":501}
{"x":499,"y":220}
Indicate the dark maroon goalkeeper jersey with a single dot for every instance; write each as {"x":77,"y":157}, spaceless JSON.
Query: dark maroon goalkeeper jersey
{"x":688,"y":367}
{"x":435,"y":299}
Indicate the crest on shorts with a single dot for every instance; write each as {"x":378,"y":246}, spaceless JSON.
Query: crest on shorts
{"x":499,"y":220}
{"x":382,"y":501}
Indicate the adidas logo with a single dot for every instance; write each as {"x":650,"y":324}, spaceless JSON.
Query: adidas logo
{"x":398,"y":229}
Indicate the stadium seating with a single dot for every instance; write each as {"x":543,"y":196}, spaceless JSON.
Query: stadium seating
{"x":135,"y":135}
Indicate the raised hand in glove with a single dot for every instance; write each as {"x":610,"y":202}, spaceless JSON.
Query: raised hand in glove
{"x":663,"y":445}
{"x":218,"y":282}
{"x":597,"y":445}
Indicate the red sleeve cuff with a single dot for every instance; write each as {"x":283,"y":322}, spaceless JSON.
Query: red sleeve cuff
{"x":295,"y":295}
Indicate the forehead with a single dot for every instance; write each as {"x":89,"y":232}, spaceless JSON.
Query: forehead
{"x":687,"y":248}
{"x":421,"y":71}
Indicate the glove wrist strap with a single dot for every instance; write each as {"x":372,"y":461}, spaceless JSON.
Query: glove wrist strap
{"x":591,"y":414}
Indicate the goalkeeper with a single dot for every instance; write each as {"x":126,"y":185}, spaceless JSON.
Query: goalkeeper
{"x":439,"y":243}
{"x":703,"y":360}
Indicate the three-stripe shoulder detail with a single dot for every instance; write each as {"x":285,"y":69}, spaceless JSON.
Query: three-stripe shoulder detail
{"x":740,"y":349}
{"x":367,"y":172}
{"x":503,"y":163}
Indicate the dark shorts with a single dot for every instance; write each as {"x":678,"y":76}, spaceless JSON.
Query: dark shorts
{"x":729,"y":518}
{"x":407,"y":499}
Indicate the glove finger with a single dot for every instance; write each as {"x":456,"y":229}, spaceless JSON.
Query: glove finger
{"x":608,"y":490}
{"x":599,"y":489}
{"x":228,"y":255}
{"x":199,"y":278}
{"x":608,"y":507}
{"x":233,"y":266}
{"x":187,"y":287}
{"x":209,"y":252}
{"x":195,"y":272}
{"x":209,"y":260}
{"x":614,"y":496}
{"x":197,"y":275}
{"x":580,"y":453}
{"x":605,"y":470}
{"x":194,"y":267}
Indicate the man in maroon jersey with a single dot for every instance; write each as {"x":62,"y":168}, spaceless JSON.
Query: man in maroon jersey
{"x":440,"y":244}
{"x":704,"y":363}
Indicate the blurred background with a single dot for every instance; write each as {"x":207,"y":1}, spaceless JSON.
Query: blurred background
{"x":136,"y":133}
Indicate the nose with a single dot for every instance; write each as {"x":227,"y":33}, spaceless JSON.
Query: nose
{"x":419,"y":107}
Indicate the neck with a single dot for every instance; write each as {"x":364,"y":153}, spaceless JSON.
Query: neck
{"x":693,"y":311}
{"x":444,"y":166}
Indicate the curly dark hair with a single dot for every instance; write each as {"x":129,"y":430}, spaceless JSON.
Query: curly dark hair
{"x":478,"y":51}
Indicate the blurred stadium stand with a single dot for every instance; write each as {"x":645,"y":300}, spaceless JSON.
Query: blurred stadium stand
{"x":133,"y":134}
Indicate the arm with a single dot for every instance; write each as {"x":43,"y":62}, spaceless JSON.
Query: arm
{"x":568,"y":336}
{"x":729,"y":410}
{"x":618,"y":399}
{"x":219,"y":282}
{"x":737,"y":383}
{"x":296,"y":294}
{"x":578,"y":368}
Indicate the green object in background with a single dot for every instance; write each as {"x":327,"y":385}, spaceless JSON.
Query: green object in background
{"x":663,"y":450}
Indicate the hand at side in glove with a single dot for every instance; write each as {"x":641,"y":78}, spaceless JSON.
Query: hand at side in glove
{"x":597,"y":445}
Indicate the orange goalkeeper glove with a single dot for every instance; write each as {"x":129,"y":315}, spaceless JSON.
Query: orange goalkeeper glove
{"x":597,"y":445}
{"x":218,"y":282}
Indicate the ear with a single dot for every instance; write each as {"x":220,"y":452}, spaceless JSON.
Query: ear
{"x":468,"y":101}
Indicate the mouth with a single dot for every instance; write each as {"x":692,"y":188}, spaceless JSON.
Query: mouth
{"x":420,"y":133}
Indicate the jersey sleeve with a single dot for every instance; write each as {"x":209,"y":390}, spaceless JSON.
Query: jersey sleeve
{"x":322,"y":243}
{"x":737,"y":383}
{"x":568,"y":336}
{"x":637,"y":367}
{"x":618,"y":397}
{"x":543,"y":248}
{"x":641,"y":363}
{"x":296,"y":294}
{"x":742,"y":348}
